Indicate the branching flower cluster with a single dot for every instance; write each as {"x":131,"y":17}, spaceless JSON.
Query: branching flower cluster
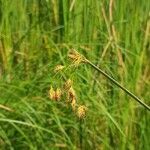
{"x":68,"y":91}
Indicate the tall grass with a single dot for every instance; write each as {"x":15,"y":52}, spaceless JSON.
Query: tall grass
{"x":35,"y":36}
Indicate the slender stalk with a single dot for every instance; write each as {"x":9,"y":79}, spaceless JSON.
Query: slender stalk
{"x":119,"y":85}
{"x":80,"y":134}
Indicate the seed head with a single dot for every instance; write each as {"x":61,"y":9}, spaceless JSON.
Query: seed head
{"x":76,"y":57}
{"x":58,"y":94}
{"x":73,"y":104}
{"x":51,"y":93}
{"x":55,"y":95}
{"x":81,"y":111}
{"x":58,"y":68}
{"x":68,"y":84}
{"x":70,"y":95}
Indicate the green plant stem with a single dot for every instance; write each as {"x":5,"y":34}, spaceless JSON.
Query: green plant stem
{"x":81,"y":133}
{"x":119,"y":85}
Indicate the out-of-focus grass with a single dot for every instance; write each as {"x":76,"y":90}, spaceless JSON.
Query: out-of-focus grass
{"x":35,"y":36}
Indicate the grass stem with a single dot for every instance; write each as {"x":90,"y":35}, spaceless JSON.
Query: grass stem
{"x":119,"y":85}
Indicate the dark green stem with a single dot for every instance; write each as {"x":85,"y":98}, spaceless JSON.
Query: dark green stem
{"x":119,"y":85}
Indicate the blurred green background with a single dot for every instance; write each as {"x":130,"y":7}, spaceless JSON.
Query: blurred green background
{"x":36,"y":35}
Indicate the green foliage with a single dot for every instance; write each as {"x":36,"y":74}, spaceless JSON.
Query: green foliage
{"x":36,"y":35}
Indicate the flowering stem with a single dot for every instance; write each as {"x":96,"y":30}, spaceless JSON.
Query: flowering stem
{"x":118,"y":84}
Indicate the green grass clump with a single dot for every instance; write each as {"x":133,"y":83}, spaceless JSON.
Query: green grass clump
{"x":36,"y":36}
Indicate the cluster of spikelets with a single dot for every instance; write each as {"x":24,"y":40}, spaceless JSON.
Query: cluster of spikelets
{"x":70,"y":96}
{"x":76,"y":57}
{"x":68,"y":90}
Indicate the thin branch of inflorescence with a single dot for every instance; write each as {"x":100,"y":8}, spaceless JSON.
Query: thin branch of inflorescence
{"x":77,"y":54}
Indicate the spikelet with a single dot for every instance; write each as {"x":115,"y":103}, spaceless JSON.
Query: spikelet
{"x":55,"y":95}
{"x":76,"y":57}
{"x":70,"y":95}
{"x":59,"y":68}
{"x":51,"y":93}
{"x":68,"y":85}
{"x":58,"y":94}
{"x":81,"y":111}
{"x":73,"y":104}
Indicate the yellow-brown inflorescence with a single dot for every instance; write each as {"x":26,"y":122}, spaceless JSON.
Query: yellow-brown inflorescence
{"x":81,"y":111}
{"x":68,"y":85}
{"x":51,"y":92}
{"x":55,"y":94}
{"x":70,"y":95}
{"x":73,"y":104}
{"x":71,"y":99}
{"x":76,"y":57}
{"x":59,"y":68}
{"x":68,"y":90}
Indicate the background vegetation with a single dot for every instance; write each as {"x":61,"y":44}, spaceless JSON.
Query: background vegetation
{"x":35,"y":36}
